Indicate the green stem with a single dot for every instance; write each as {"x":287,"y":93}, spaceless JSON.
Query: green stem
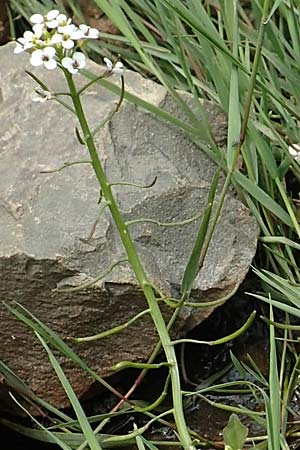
{"x":136,"y":266}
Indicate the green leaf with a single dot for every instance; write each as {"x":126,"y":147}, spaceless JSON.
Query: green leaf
{"x":192,"y":266}
{"x":274,"y":405}
{"x":50,"y":336}
{"x":265,"y":151}
{"x":275,"y":6}
{"x":262,"y":197}
{"x":82,"y":419}
{"x":234,"y":114}
{"x":234,"y":434}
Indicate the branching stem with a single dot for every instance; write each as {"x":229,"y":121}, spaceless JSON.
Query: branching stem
{"x":137,"y":268}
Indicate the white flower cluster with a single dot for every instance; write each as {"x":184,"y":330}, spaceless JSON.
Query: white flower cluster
{"x":52,"y":41}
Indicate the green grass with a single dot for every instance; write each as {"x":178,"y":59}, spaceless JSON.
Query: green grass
{"x":249,"y":65}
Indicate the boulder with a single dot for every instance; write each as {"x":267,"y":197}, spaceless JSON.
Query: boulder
{"x":46,"y":217}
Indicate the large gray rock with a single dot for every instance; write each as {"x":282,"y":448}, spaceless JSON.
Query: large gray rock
{"x":44,"y":216}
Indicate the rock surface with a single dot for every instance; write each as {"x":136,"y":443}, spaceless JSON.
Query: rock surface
{"x":44,"y":216}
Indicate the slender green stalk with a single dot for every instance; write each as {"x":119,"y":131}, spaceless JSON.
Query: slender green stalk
{"x":223,"y":340}
{"x":136,"y":266}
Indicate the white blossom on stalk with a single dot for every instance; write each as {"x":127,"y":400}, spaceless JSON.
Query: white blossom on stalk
{"x":45,"y":57}
{"x":21,"y":45}
{"x":40,"y":95}
{"x":38,"y":28}
{"x":63,"y":21}
{"x":28,"y":40}
{"x":66,"y":38}
{"x":89,"y":32}
{"x":49,"y":20}
{"x":294,"y":151}
{"x":114,"y":67}
{"x":75,"y":63}
{"x":52,"y":41}
{"x":32,"y":38}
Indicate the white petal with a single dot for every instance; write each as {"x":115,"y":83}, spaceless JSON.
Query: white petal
{"x":84,"y":28}
{"x":108,"y":63}
{"x":68,"y":44}
{"x":28,"y":35}
{"x":28,"y":45}
{"x":93,"y":33}
{"x":50,"y":64}
{"x":52,"y":14}
{"x":62,"y":18}
{"x":49,"y":52}
{"x":19,"y":48}
{"x":71,"y":28}
{"x":29,"y":39}
{"x":67,"y":62}
{"x":118,"y":68}
{"x":89,"y":32}
{"x":35,"y":97}
{"x":77,"y":34}
{"x":40,"y":95}
{"x":295,"y":151}
{"x":52,"y":23}
{"x":36,"y":18}
{"x":79,"y":56}
{"x":38,"y":29}
{"x":80,"y":59}
{"x":56,"y":38}
{"x":72,"y":69}
{"x":63,"y":29}
{"x":37,"y":58}
{"x":21,"y":41}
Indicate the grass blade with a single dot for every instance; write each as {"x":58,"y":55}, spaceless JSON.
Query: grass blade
{"x":192,"y":266}
{"x":82,"y":419}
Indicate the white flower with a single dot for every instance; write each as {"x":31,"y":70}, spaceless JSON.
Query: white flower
{"x":77,"y":34}
{"x":62,"y":22}
{"x":67,"y":36}
{"x":37,"y":18}
{"x":45,"y":56}
{"x":49,"y":20}
{"x":38,"y":28}
{"x":88,"y":32}
{"x":21,"y":45}
{"x":40,"y":95}
{"x":294,"y":151}
{"x":114,"y":67}
{"x":28,"y":40}
{"x":32,"y":37}
{"x":75,"y":63}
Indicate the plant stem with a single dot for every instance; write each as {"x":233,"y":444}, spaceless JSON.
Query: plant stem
{"x":136,"y":267}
